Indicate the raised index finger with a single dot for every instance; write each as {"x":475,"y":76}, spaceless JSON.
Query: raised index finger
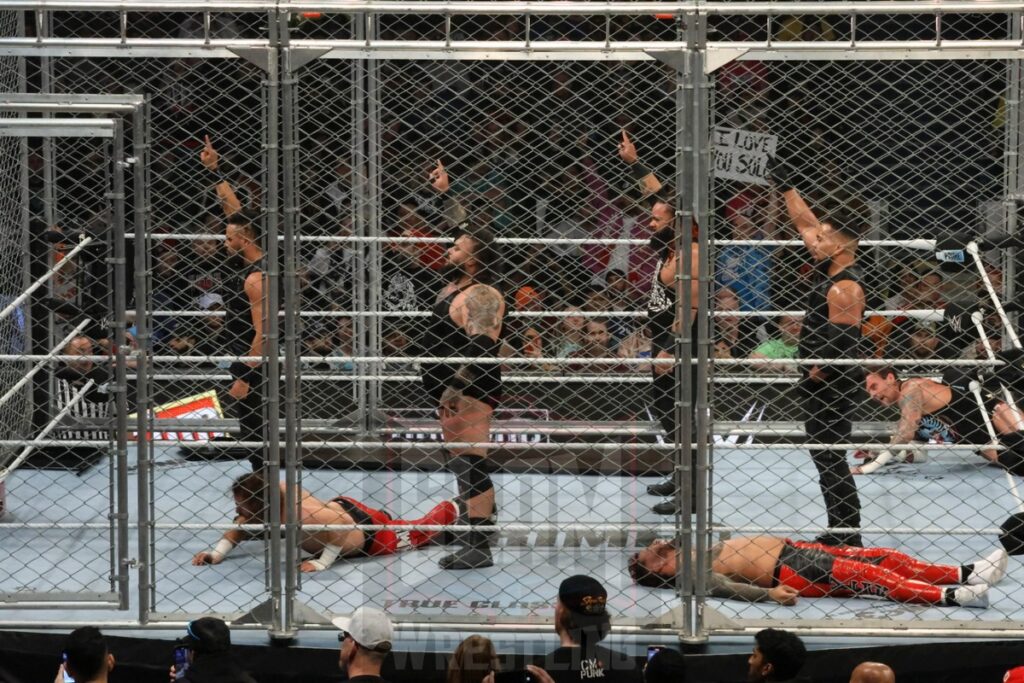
{"x":625,"y":138}
{"x":208,"y":143}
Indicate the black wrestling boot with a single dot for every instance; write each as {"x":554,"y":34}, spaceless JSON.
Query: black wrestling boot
{"x":475,"y":552}
{"x":664,"y":489}
{"x":665,"y":507}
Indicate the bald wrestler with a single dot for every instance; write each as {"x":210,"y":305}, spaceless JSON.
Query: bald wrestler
{"x":872,"y":672}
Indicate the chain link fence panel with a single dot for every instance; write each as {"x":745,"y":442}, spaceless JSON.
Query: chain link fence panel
{"x":392,"y":159}
{"x":67,"y":365}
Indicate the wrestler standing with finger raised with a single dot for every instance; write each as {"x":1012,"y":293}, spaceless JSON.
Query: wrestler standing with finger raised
{"x":831,"y":330}
{"x":661,"y":311}
{"x":244,"y":308}
{"x":466,"y":322}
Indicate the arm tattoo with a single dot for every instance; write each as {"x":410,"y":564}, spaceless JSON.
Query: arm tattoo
{"x":483,"y":305}
{"x":911,"y":411}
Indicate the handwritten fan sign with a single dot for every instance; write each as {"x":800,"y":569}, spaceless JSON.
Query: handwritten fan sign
{"x":742,"y":155}
{"x":203,"y":406}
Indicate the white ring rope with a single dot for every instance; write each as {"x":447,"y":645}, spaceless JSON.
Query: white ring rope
{"x":919,"y":244}
{"x":491,"y":360}
{"x":82,"y":244}
{"x":972,"y":249}
{"x":926,"y":314}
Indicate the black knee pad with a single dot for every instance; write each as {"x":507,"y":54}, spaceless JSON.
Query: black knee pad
{"x":472,"y":474}
{"x":1012,"y":458}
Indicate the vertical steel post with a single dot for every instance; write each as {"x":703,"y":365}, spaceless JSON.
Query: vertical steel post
{"x":140,"y":150}
{"x":119,"y":328}
{"x":26,"y":244}
{"x":44,"y":20}
{"x":375,"y":258}
{"x":702,"y":210}
{"x":272,"y":376}
{"x":362,"y":228}
{"x":292,"y":304}
{"x":683,"y":438}
{"x":1013,"y":187}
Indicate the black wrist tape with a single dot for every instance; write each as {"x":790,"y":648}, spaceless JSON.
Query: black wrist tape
{"x":240,"y":370}
{"x":639,"y":170}
{"x":216,"y":175}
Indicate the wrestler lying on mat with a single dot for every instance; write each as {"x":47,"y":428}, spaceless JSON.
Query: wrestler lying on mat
{"x":767,"y":568}
{"x":329,"y":545}
{"x":946,"y":412}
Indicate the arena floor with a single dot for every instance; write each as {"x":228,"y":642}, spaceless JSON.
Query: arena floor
{"x":768,"y":488}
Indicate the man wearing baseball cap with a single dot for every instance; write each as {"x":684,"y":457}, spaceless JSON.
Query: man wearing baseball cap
{"x":209,"y":643}
{"x":581,"y":621}
{"x":366,"y":639}
{"x":1014,"y":675}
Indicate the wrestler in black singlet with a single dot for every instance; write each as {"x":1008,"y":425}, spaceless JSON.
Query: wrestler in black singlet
{"x":239,"y":333}
{"x":829,"y":403}
{"x":444,"y":338}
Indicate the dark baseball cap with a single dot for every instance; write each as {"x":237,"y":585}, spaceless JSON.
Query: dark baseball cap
{"x":586,"y":598}
{"x":208,"y":634}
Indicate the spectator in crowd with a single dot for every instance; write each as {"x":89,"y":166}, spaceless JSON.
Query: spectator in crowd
{"x":620,"y":291}
{"x":581,"y":622}
{"x":778,"y":656}
{"x":524,"y":339}
{"x":735,"y":336}
{"x":636,"y":345}
{"x":899,"y":300}
{"x":923,"y":342}
{"x":318,"y":339}
{"x":873,"y":672}
{"x":325,"y":273}
{"x":202,"y":335}
{"x":528,"y":299}
{"x":169,"y":291}
{"x":1014,"y":675}
{"x":977,"y":351}
{"x":753,"y":214}
{"x":909,"y":337}
{"x":344,"y":344}
{"x":570,"y":332}
{"x":597,"y":343}
{"x":665,"y":666}
{"x":473,"y":659}
{"x":205,"y":268}
{"x":208,"y":640}
{"x":366,"y":639}
{"x":782,"y":346}
{"x":86,"y":657}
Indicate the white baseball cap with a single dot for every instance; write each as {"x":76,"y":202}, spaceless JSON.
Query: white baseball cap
{"x":369,"y":627}
{"x":209,"y":300}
